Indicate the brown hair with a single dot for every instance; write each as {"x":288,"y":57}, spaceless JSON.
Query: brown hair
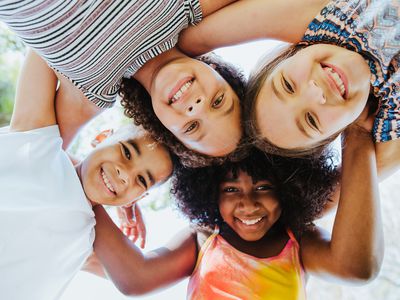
{"x":137,"y":105}
{"x":256,"y":80}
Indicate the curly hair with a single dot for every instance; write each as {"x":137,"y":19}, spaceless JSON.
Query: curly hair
{"x":136,"y":102}
{"x":303,"y":186}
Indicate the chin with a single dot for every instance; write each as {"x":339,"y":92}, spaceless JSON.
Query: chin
{"x":252,"y":238}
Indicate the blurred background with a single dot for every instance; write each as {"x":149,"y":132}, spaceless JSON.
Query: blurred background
{"x":163,"y":220}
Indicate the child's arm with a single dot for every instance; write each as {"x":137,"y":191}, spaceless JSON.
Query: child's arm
{"x":135,"y":273}
{"x":34,"y":100}
{"x":388,"y":157}
{"x":94,"y":266}
{"x":250,"y":20}
{"x":73,"y":110}
{"x":355,"y":250}
{"x":210,"y":6}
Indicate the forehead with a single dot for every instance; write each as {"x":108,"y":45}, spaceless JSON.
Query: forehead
{"x":240,"y":176}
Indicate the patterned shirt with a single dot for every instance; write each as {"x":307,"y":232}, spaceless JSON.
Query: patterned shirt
{"x":95,"y":43}
{"x":371,"y":28}
{"x":222,"y":272}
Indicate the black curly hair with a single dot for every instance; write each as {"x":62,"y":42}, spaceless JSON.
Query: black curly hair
{"x":303,"y":187}
{"x":136,"y":102}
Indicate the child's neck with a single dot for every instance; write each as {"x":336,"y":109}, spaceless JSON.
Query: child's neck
{"x":271,"y":244}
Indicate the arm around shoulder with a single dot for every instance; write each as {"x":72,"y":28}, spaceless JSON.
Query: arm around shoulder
{"x":354,"y":252}
{"x":73,"y":110}
{"x":135,"y":273}
{"x":388,"y":157}
{"x":34,"y":100}
{"x":250,"y":20}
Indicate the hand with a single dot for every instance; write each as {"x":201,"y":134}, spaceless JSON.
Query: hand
{"x":132,"y":224}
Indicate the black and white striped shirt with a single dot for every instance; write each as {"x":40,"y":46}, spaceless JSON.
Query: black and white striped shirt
{"x":95,"y":43}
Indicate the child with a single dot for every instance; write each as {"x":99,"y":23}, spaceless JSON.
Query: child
{"x":46,"y":204}
{"x":345,"y":61}
{"x":94,"y":44}
{"x":263,"y":242}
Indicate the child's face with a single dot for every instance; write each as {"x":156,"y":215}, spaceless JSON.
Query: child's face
{"x":120,"y":173}
{"x":250,"y":209}
{"x":312,"y":95}
{"x":198,"y":106}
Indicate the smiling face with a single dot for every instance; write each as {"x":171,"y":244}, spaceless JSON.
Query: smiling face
{"x":119,"y":173}
{"x":198,"y":106}
{"x":250,"y":209}
{"x":312,"y":95}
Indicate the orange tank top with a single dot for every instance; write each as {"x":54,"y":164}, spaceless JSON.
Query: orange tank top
{"x":223,"y":272}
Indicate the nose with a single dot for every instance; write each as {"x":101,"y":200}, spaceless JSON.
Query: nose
{"x":315,"y":93}
{"x":123,"y":175}
{"x":195,"y":107}
{"x":247,"y":205}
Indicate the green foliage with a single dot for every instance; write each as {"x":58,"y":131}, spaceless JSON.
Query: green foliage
{"x":11,"y":50}
{"x":9,"y":42}
{"x":9,"y":70}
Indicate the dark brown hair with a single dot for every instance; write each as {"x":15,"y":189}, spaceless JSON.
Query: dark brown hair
{"x":137,"y":105}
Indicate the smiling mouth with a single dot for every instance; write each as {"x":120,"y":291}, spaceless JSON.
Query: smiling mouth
{"x":250,"y":222}
{"x":107,"y":182}
{"x":183,"y":88}
{"x":337,"y":77}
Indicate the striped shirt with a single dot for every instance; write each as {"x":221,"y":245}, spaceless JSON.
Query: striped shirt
{"x":95,"y":43}
{"x":371,"y":28}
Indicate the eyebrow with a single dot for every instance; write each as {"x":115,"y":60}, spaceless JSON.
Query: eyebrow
{"x":151,"y":178}
{"x":230,"y":180}
{"x":138,"y":152}
{"x":225,"y":113}
{"x":230,"y":109}
{"x":277,"y":93}
{"x":200,"y":137}
{"x":135,"y":146}
{"x":302,"y":129}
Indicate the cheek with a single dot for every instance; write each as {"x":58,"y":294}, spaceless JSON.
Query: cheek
{"x":167,"y":116}
{"x":336,"y":118}
{"x":225,"y":209}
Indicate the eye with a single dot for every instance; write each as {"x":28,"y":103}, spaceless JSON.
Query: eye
{"x":217,"y":102}
{"x":287,"y":86}
{"x":311,"y":121}
{"x":127,"y":152}
{"x":264,"y":187}
{"x":230,"y":189}
{"x":192,"y":126}
{"x":142,"y":181}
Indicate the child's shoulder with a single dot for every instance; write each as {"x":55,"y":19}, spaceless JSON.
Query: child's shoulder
{"x":202,"y":234}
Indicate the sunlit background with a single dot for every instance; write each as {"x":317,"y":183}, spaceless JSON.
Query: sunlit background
{"x":163,"y":221}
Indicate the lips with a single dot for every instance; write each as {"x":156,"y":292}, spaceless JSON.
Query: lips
{"x":107,"y":182}
{"x":180,"y":89}
{"x":337,"y":78}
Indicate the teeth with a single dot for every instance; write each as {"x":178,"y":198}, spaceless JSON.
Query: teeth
{"x":107,"y":182}
{"x":337,"y":80}
{"x":251,"y":222}
{"x":182,"y":90}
